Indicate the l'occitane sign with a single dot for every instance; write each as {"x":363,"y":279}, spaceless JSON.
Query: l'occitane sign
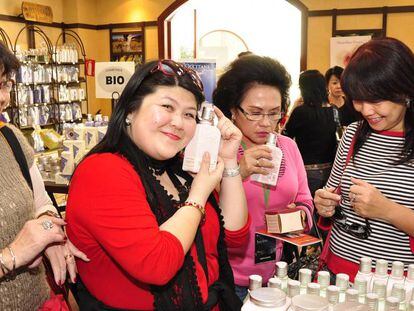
{"x":37,"y":12}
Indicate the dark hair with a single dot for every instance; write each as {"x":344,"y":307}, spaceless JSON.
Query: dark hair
{"x":333,"y":71}
{"x":382,"y":69}
{"x":245,"y":72}
{"x":244,"y":53}
{"x":8,"y":62}
{"x":313,"y":88}
{"x":142,"y":83}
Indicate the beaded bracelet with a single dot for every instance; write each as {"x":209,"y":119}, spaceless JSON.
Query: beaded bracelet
{"x":231,"y":172}
{"x":197,"y":206}
{"x":8,"y":273}
{"x":13,"y":271}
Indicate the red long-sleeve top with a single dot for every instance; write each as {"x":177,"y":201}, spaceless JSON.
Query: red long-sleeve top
{"x":111,"y":221}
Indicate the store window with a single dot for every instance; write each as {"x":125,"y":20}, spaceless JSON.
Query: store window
{"x":220,"y":30}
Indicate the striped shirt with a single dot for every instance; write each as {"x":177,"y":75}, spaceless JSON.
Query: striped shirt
{"x":375,"y":164}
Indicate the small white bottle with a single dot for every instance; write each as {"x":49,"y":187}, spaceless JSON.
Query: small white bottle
{"x":409,"y":282}
{"x":206,"y":139}
{"x":323,"y":281}
{"x":361,"y":285}
{"x":398,"y":290}
{"x":313,"y":289}
{"x":332,"y":293}
{"x":281,"y":273}
{"x":271,"y":178}
{"x":380,"y":288}
{"x":364,"y":271}
{"x":274,"y":282}
{"x":342,"y":281}
{"x":351,"y":295}
{"x":305,"y":277}
{"x":372,"y":301}
{"x":381,"y":273}
{"x":293,"y":288}
{"x":397,"y":275}
{"x":392,"y":304}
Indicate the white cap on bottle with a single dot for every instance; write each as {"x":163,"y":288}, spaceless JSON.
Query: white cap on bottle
{"x":332,"y":293}
{"x":365,"y":265}
{"x":313,"y":289}
{"x":392,"y":304}
{"x":397,"y":270}
{"x":255,"y":281}
{"x":372,"y":301}
{"x":379,"y":288}
{"x":305,"y":276}
{"x":342,"y":281}
{"x":323,"y":279}
{"x":293,"y":288}
{"x":361,"y":284}
{"x":274,"y":282}
{"x":281,"y":269}
{"x":398,"y":290}
{"x":351,"y":295}
{"x":381,"y":267}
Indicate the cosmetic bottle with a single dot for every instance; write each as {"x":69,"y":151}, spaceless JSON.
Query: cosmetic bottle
{"x":409,"y":283}
{"x":206,"y":139}
{"x":361,"y":285}
{"x":365,"y":268}
{"x":398,"y":290}
{"x":293,"y":288}
{"x":372,"y":301}
{"x":392,"y":304}
{"x":271,"y":178}
{"x":397,"y":275}
{"x":255,"y":281}
{"x":313,"y":289}
{"x":332,"y":293}
{"x":342,"y":281}
{"x":265,"y":298}
{"x":281,"y":273}
{"x":351,"y":295}
{"x":381,"y":273}
{"x":305,"y":277}
{"x":274,"y":282}
{"x":380,"y":288}
{"x":323,"y":281}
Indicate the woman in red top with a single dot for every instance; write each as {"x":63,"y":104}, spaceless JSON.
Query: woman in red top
{"x":123,"y":208}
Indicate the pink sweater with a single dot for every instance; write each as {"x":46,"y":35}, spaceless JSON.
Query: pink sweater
{"x":292,"y":186}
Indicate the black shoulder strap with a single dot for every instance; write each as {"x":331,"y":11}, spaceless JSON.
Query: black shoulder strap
{"x":18,"y":153}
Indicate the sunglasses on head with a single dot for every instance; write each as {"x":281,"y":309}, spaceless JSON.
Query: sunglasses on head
{"x":171,"y":68}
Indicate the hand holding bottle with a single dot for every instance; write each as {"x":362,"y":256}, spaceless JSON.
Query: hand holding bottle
{"x":256,"y":160}
{"x":206,"y":180}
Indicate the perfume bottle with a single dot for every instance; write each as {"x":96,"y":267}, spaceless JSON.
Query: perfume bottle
{"x":381,"y":273}
{"x":365,"y":268}
{"x":271,"y":178}
{"x":206,"y":139}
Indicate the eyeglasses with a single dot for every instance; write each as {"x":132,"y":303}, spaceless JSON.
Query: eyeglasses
{"x":356,"y":230}
{"x":6,"y":86}
{"x":172,"y":68}
{"x":273,"y":116}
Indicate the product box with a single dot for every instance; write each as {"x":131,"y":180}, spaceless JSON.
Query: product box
{"x":284,"y":221}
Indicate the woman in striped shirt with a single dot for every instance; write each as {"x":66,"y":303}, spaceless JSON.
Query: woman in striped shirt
{"x":371,"y":183}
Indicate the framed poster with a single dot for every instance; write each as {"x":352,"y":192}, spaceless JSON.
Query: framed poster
{"x":127,"y":46}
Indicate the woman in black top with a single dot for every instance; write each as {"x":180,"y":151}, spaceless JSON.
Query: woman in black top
{"x":346,"y":113}
{"x":313,"y":127}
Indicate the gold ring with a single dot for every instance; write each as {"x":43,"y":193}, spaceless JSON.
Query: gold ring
{"x":68,"y":256}
{"x":257,"y":162}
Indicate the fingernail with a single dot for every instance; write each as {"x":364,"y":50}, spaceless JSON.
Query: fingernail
{"x":74,"y":279}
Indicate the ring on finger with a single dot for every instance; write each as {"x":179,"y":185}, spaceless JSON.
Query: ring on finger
{"x":47,"y":224}
{"x":69,"y":257}
{"x":257,"y":162}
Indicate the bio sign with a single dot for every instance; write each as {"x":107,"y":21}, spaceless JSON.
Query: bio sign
{"x":112,"y":77}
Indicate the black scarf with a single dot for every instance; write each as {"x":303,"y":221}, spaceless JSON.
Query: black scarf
{"x":182,"y":292}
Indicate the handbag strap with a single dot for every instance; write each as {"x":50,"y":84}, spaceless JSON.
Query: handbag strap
{"x":17,"y":152}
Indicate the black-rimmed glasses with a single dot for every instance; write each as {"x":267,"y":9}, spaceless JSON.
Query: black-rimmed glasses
{"x":172,"y":68}
{"x":273,"y":116}
{"x":356,"y":230}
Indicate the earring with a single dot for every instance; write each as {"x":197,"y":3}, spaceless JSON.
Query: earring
{"x":232,"y":118}
{"x":128,"y":122}
{"x":408,"y":102}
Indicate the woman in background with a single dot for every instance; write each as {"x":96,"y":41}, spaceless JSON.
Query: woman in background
{"x":253,"y":92}
{"x":313,"y":127}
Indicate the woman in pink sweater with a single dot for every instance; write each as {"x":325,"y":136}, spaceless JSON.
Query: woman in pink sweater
{"x":253,"y":92}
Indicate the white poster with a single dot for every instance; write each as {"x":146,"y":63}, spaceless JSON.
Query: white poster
{"x":342,"y":48}
{"x":112,"y":77}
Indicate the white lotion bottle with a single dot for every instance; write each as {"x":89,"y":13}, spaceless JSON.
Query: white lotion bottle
{"x":271,"y":178}
{"x":409,"y":283}
{"x":364,"y":271}
{"x":397,"y":276}
{"x":206,"y":139}
{"x":381,"y":273}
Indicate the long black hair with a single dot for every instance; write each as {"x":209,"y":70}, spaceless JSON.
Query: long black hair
{"x":8,"y":62}
{"x":312,"y":88}
{"x":143,"y":82}
{"x":382,"y":69}
{"x":245,"y":72}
